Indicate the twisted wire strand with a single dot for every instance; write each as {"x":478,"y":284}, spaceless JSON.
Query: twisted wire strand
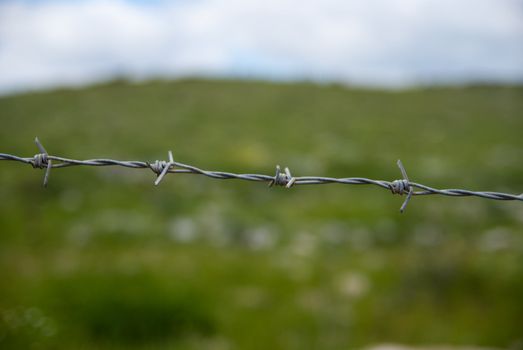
{"x":161,"y":168}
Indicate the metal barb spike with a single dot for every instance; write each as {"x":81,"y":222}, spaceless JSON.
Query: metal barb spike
{"x":165,"y":169}
{"x":273,"y":181}
{"x":49,"y":162}
{"x":282,"y":179}
{"x":406,"y":179}
{"x":290,"y":179}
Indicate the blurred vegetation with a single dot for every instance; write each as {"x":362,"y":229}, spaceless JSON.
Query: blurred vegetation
{"x":103,"y":259}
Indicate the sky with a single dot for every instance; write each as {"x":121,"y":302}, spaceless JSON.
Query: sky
{"x":385,"y":43}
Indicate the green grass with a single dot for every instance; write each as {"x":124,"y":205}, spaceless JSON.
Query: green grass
{"x":103,"y":259}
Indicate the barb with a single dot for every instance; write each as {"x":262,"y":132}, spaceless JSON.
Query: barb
{"x":42,"y":160}
{"x":162,"y":168}
{"x":282,"y":179}
{"x":399,"y":186}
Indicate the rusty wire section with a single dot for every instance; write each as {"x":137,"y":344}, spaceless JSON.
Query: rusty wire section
{"x":43,"y":160}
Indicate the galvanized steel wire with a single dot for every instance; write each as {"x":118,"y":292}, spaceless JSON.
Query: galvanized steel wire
{"x":403,"y":186}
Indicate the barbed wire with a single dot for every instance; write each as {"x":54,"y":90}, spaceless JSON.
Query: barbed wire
{"x":403,"y":186}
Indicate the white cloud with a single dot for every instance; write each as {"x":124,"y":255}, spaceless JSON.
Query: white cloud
{"x":383,"y":42}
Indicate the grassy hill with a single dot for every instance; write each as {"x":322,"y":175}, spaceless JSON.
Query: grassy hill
{"x":103,"y":259}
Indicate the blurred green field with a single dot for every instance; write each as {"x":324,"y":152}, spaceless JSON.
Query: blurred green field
{"x":103,"y":259}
